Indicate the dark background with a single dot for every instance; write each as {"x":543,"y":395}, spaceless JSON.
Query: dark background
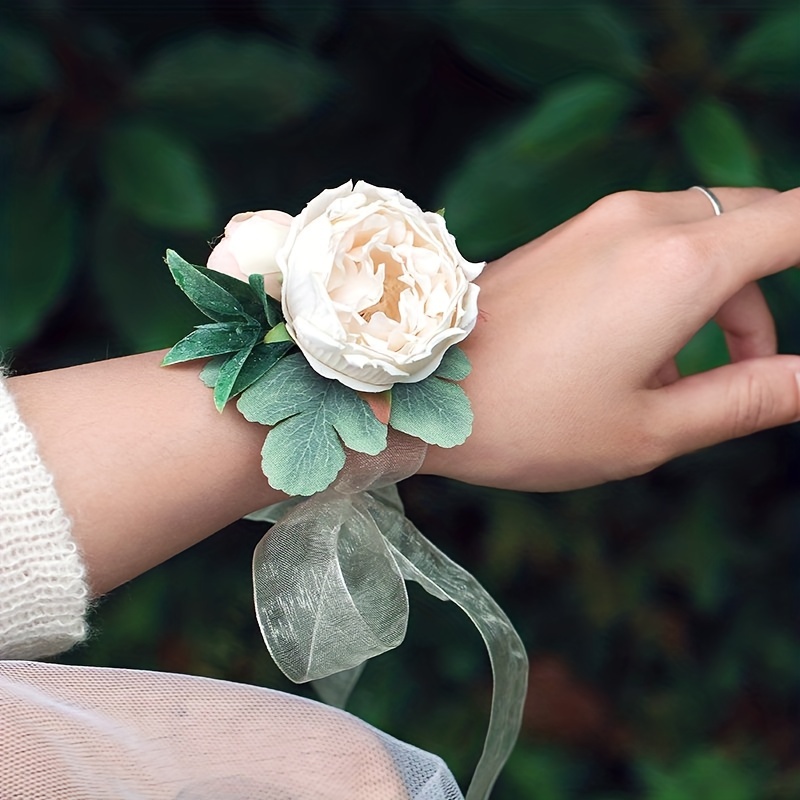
{"x":661,"y":613}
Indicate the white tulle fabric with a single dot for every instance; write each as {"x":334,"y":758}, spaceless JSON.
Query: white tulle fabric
{"x":89,"y":733}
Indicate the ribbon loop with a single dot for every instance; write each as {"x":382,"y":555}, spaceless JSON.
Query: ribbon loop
{"x":330,"y":593}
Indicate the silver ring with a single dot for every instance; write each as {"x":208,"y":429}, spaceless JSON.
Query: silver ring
{"x":712,"y":198}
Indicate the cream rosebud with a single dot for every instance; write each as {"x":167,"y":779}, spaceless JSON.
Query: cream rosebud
{"x":249,"y":245}
{"x":374,"y":289}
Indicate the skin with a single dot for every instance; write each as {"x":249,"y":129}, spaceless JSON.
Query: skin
{"x":573,"y":381}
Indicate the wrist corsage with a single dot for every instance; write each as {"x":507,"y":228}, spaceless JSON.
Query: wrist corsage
{"x":338,"y":328}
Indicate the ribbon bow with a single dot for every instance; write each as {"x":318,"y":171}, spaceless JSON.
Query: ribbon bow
{"x":329,"y":581}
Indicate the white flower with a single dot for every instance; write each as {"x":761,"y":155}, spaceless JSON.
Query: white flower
{"x":374,"y":288}
{"x":249,"y":245}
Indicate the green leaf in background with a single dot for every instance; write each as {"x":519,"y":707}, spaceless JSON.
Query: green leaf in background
{"x":706,"y":350}
{"x":158,"y":177}
{"x":26,"y":65}
{"x":305,"y":21}
{"x":501,"y":197}
{"x":768,"y":56}
{"x":303,"y":453}
{"x":708,"y":775}
{"x":37,"y":252}
{"x":434,"y":410}
{"x":543,"y":773}
{"x":539,"y":45}
{"x":781,"y":158}
{"x":696,"y":554}
{"x":134,"y":284}
{"x":717,"y":145}
{"x":219,"y":85}
{"x":572,"y":114}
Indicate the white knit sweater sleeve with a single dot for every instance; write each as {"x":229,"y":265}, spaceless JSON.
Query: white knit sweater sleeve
{"x":43,"y":591}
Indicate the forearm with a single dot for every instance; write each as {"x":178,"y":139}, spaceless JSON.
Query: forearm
{"x":144,"y":464}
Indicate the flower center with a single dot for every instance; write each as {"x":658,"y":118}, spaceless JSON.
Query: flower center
{"x":389,"y":304}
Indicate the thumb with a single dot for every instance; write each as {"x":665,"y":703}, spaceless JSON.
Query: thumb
{"x":724,"y":403}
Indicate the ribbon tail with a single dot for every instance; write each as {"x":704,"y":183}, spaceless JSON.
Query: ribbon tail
{"x":335,"y":690}
{"x":421,"y":561}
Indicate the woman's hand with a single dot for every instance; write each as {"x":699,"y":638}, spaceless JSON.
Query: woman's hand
{"x":574,"y":380}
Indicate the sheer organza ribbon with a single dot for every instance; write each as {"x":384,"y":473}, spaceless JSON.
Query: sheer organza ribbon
{"x":329,"y":581}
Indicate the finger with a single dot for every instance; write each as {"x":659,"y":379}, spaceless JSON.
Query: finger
{"x":634,"y":210}
{"x":748,"y":325}
{"x":691,"y":205}
{"x":623,"y":210}
{"x":747,"y":243}
{"x":727,"y":402}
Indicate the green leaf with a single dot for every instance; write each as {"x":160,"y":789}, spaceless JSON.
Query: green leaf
{"x":260,"y":361}
{"x":135,"y":288}
{"x":781,"y":158}
{"x":217,"y":85}
{"x":706,"y":774}
{"x":212,"y":340}
{"x":434,"y":410}
{"x":158,"y":177}
{"x":536,"y":46}
{"x":38,"y":233}
{"x":500,"y":197}
{"x":544,"y":773}
{"x":768,"y":55}
{"x":278,"y":334}
{"x":318,"y":460}
{"x":210,"y":372}
{"x":312,"y":416}
{"x":572,"y":114}
{"x":226,"y":378}
{"x":706,"y":350}
{"x":26,"y":65}
{"x":718,"y":146}
{"x":248,"y":297}
{"x":305,"y":21}
{"x":455,"y":365}
{"x":205,"y":289}
{"x":272,"y":308}
{"x":552,"y":163}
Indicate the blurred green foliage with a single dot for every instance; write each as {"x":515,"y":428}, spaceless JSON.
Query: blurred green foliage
{"x":660,"y":613}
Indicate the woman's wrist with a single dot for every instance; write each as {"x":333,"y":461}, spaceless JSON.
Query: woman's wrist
{"x":144,"y":464}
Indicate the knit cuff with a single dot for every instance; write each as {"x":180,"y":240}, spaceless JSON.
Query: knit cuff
{"x":43,"y":590}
